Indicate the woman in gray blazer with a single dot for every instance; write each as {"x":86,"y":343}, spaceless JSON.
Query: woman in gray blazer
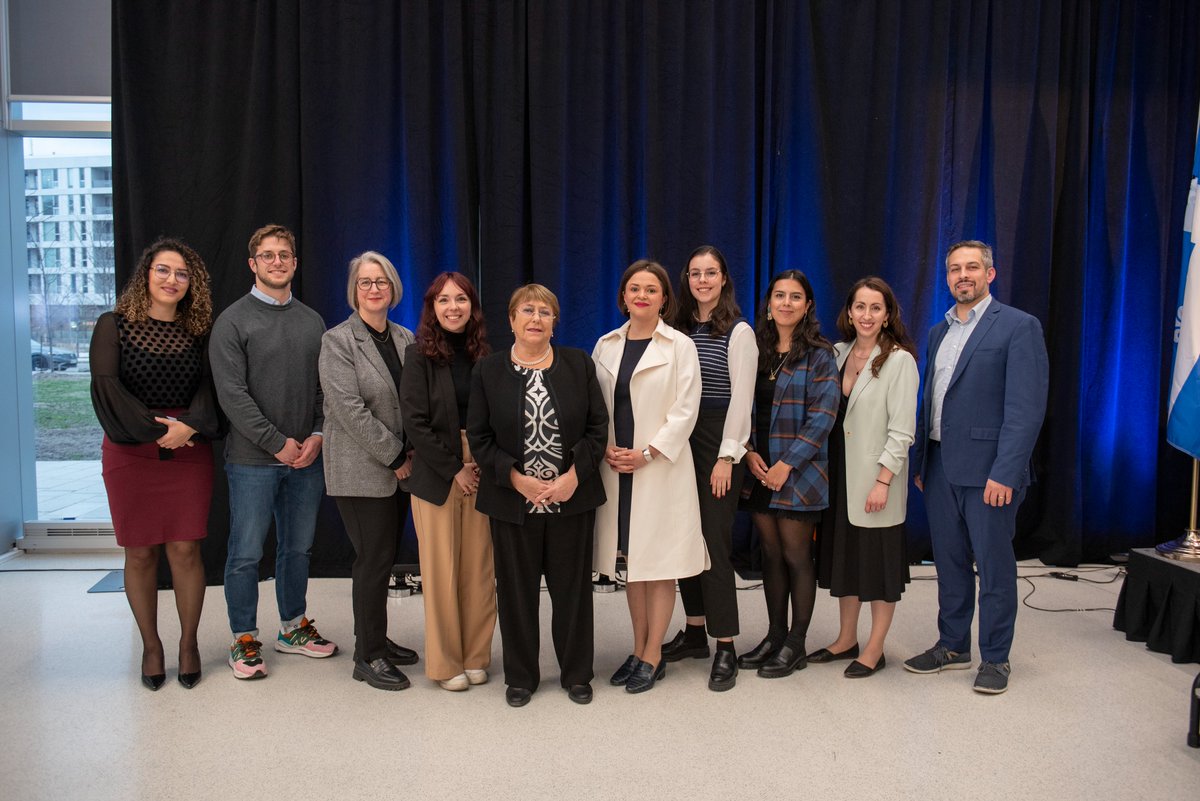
{"x":366,"y":457}
{"x":862,"y":555}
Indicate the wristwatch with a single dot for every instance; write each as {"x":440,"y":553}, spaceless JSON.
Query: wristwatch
{"x":647,"y":455}
{"x":725,"y":459}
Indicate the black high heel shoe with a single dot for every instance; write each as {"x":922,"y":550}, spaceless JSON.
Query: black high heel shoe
{"x":154,"y":681}
{"x":189,"y":680}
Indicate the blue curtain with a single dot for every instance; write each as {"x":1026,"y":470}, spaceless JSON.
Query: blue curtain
{"x":558,"y":142}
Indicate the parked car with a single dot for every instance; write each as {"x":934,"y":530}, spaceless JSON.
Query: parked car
{"x":49,"y":358}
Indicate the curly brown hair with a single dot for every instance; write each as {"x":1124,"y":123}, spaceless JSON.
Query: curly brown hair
{"x":194,"y":312}
{"x":892,"y":335}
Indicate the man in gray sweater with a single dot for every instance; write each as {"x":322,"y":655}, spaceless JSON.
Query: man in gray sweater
{"x":264,"y":351}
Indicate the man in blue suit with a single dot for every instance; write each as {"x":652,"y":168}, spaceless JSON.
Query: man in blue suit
{"x":984,"y":398}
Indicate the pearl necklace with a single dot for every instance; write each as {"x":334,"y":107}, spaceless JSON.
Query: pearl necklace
{"x":512,"y":352}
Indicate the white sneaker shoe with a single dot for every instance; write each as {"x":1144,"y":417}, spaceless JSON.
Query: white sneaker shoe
{"x":456,"y":684}
{"x":477,"y":676}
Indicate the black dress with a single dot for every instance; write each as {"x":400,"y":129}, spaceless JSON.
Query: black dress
{"x":623,"y":433}
{"x":870,"y":564}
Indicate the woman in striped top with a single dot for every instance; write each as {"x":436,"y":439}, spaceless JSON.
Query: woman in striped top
{"x":709,"y":314}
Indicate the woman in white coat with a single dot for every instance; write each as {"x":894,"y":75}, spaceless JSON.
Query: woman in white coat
{"x":862,"y":555}
{"x":650,"y":376}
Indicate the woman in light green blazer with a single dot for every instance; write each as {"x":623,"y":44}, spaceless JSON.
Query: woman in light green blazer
{"x":862,"y":554}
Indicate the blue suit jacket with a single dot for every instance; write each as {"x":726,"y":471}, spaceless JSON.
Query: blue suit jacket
{"x":995,"y":402}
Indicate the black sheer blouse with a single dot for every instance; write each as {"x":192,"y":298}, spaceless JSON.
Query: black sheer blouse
{"x":141,"y":369}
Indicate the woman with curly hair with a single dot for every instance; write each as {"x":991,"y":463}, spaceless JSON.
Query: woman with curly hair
{"x":457,"y":576}
{"x":153,"y":395}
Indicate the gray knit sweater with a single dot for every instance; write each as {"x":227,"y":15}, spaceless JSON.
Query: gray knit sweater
{"x":264,"y":366}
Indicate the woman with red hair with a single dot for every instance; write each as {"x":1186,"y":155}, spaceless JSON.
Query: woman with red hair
{"x":457,"y":574}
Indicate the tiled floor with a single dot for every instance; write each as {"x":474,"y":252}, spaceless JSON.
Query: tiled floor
{"x":71,"y":491}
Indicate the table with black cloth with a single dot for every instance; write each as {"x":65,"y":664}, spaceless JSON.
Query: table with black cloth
{"x":1159,"y":605}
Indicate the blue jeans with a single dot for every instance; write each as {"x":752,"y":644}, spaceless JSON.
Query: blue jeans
{"x":256,"y":493}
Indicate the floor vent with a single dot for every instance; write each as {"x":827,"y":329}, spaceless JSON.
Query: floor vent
{"x":68,"y":536}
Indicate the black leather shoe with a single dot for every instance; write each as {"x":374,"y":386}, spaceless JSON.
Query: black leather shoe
{"x":825,"y":655}
{"x":857,"y":670}
{"x":154,"y":682}
{"x":517,"y":696}
{"x":381,"y":674}
{"x":680,"y":648}
{"x":760,"y":653}
{"x":786,"y":661}
{"x":399,"y":655}
{"x":645,"y":675}
{"x":724,"y":671}
{"x":580,"y":693}
{"x":189,"y":680}
{"x":624,"y":671}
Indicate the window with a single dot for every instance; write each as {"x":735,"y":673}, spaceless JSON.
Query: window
{"x":71,"y":282}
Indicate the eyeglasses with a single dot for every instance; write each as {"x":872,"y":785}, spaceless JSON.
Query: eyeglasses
{"x":711,"y":275}
{"x":164,"y":272}
{"x":381,"y":284}
{"x":283,"y":256}
{"x":541,"y":314}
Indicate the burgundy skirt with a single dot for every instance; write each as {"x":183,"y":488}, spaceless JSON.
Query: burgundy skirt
{"x":155,"y":500}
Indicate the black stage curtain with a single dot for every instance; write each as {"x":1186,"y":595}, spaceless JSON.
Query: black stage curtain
{"x":557,"y":142}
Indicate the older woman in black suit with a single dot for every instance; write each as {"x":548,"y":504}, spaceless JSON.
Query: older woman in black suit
{"x":458,"y":581}
{"x":365,"y":455}
{"x":538,"y":426}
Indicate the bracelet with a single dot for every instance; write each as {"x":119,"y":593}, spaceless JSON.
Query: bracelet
{"x":884,"y":483}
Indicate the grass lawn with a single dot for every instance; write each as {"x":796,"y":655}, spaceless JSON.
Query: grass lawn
{"x":66,"y":426}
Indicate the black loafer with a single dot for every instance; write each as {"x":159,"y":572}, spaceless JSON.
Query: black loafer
{"x":624,"y":671}
{"x":580,"y":693}
{"x":724,"y":671}
{"x":857,"y":670}
{"x":645,"y":675}
{"x":517,"y":696}
{"x":759,"y":655}
{"x":825,"y":655}
{"x":189,"y":680}
{"x":380,"y":674}
{"x":153,"y":682}
{"x":680,"y":648}
{"x":786,"y":661}
{"x":399,"y":655}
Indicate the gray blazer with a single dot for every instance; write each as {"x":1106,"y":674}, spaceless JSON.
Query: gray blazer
{"x":364,"y":429}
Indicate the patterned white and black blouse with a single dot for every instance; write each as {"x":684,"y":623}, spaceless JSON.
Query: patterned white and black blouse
{"x":543,"y":441}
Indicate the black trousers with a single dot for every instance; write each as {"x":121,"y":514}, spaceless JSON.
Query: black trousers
{"x":373,"y":526}
{"x":713,"y":594}
{"x":561,"y":547}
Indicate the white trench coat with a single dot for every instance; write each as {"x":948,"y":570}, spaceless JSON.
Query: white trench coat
{"x":664,"y":522}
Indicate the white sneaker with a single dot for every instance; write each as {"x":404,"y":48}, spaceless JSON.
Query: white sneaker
{"x":456,"y":684}
{"x":477,"y":676}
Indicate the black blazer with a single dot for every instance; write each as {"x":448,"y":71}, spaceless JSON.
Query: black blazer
{"x":496,"y":430}
{"x":431,"y":426}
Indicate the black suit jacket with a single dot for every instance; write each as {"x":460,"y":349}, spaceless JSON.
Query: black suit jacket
{"x":431,"y":425}
{"x":496,"y":430}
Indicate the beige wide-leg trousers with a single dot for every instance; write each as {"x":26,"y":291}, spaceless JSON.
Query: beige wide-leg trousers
{"x":458,"y":582}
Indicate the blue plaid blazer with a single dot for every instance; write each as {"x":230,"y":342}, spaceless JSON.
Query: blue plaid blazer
{"x":803,"y":413}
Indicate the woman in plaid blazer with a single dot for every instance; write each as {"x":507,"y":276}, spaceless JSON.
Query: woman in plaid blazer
{"x":795,"y":406}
